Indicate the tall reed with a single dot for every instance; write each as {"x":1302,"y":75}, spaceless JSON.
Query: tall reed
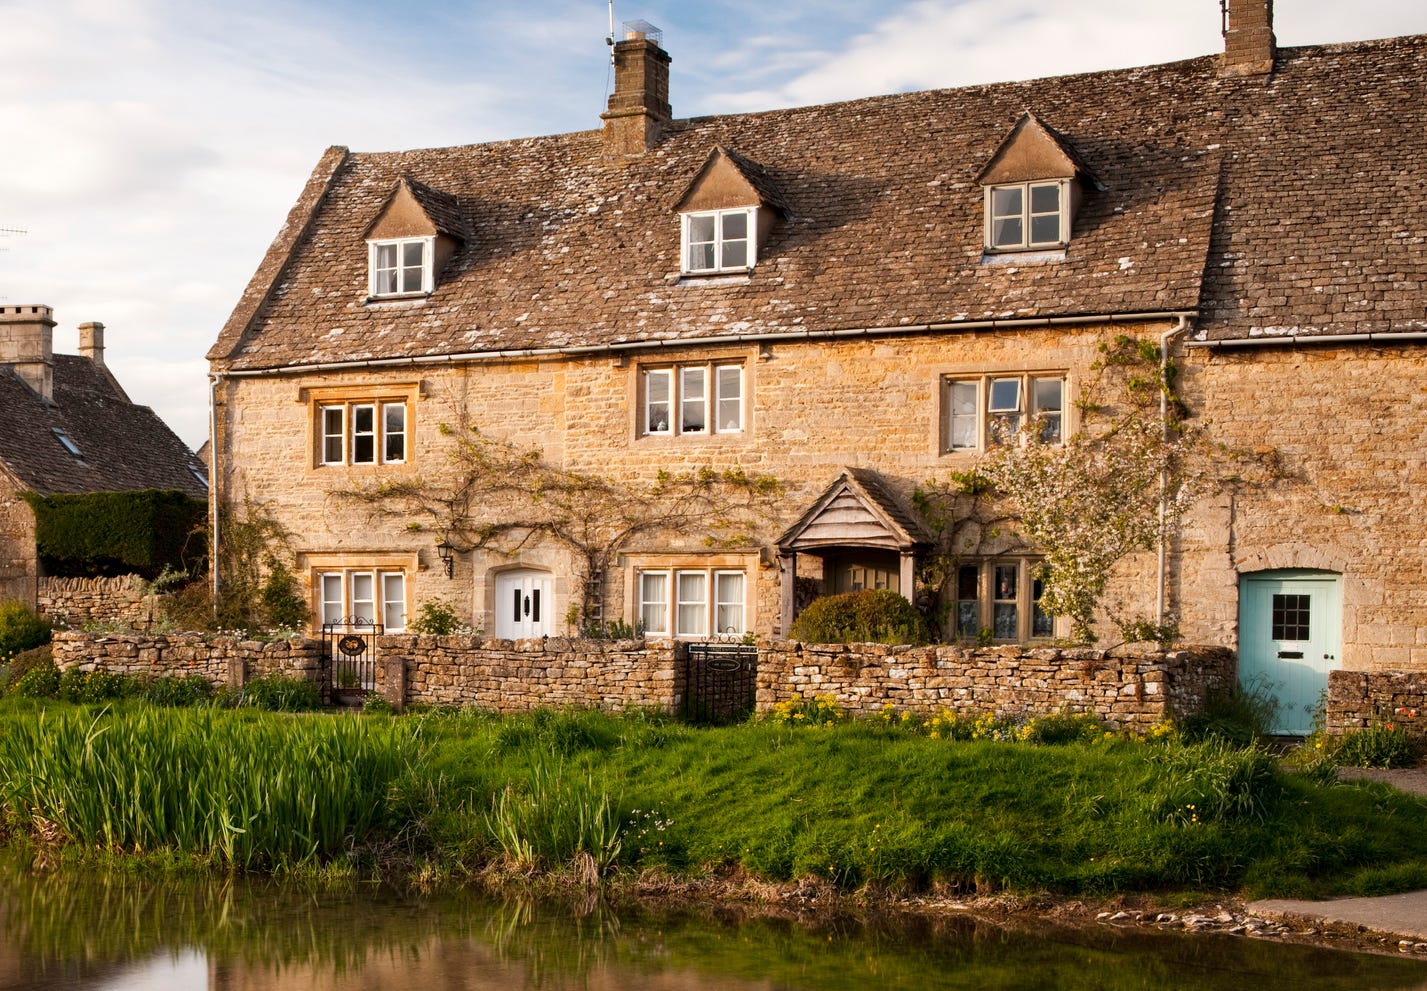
{"x":242,"y":791}
{"x":558,"y":815}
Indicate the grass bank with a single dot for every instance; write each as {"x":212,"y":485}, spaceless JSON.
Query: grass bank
{"x":953,"y":807}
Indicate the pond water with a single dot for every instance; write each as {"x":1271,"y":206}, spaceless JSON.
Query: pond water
{"x":64,"y":932}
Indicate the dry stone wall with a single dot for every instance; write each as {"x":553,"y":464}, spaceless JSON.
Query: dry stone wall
{"x":76,"y":601}
{"x":1358,"y":700}
{"x":1127,"y":689}
{"x":519,"y":675}
{"x":222,"y":660}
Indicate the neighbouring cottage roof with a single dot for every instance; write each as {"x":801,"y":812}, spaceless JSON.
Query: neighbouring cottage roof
{"x":123,"y":447}
{"x":1287,"y":204}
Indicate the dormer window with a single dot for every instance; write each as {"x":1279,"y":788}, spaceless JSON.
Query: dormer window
{"x":1033,"y":186}
{"x":726,"y":213}
{"x":720,"y":240}
{"x":401,"y":267}
{"x":1026,"y":215}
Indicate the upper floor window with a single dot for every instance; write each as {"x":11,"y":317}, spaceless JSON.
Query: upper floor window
{"x":720,"y":240}
{"x":400,"y":267}
{"x":986,"y":410}
{"x":1026,"y":215}
{"x":363,"y":433}
{"x":693,"y":399}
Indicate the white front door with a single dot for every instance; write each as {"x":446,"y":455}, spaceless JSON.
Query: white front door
{"x":524,"y":604}
{"x":1290,"y":634}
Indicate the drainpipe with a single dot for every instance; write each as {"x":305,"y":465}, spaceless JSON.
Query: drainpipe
{"x":1165,"y":339}
{"x":214,"y":380}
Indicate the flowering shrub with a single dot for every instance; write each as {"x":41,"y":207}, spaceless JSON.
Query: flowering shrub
{"x":821,"y":710}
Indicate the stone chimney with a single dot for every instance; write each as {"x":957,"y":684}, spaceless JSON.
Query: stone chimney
{"x":1249,"y":44}
{"x":639,"y":105}
{"x":27,"y":345}
{"x":91,"y":342}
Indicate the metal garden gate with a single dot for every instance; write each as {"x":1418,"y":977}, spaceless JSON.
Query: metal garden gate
{"x":349,"y":645}
{"x":720,"y":682}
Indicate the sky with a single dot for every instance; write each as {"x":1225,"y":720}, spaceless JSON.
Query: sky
{"x":150,"y":149}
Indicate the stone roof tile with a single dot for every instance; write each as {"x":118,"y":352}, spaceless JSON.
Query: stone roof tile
{"x":1229,"y":196}
{"x":122,"y":446}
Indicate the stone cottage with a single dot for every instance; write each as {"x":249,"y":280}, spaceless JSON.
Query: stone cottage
{"x":854,"y":298}
{"x":67,"y":426}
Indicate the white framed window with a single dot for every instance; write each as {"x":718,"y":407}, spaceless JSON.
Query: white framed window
{"x":720,"y":240}
{"x":654,"y":602}
{"x":705,"y":602}
{"x":1026,"y":215}
{"x":693,"y":399}
{"x":371,"y":596}
{"x":1000,"y":600}
{"x":362,"y":433}
{"x":982,"y":411}
{"x":400,"y":267}
{"x":691,"y":606}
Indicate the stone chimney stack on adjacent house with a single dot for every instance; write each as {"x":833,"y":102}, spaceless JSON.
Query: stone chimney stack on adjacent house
{"x":1249,"y":44}
{"x":27,"y":345}
{"x":639,"y":105}
{"x":91,"y":342}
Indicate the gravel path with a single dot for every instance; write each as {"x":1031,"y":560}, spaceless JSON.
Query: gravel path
{"x":1413,"y":779}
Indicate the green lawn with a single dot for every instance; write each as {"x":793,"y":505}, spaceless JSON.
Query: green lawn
{"x":853,"y":803}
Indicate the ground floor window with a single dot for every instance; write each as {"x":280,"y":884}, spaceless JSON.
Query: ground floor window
{"x":1001,"y":600}
{"x":370,"y":596}
{"x":691,"y":603}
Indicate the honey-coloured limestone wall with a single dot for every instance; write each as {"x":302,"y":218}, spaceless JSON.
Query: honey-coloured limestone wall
{"x":1345,"y":422}
{"x":811,"y":407}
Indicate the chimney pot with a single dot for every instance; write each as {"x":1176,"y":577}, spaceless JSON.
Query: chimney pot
{"x":639,"y":106}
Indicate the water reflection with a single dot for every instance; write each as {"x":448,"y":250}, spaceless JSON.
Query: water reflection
{"x":64,"y":932}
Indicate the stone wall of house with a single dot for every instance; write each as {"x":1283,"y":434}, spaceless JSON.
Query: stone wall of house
{"x":1128,"y":689}
{"x":18,"y":564}
{"x":811,"y":408}
{"x":119,"y":600}
{"x":222,"y":660}
{"x":1359,"y":699}
{"x":520,"y":675}
{"x":1345,"y":421}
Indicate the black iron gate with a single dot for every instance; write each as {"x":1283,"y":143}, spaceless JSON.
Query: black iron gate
{"x":720,"y":682}
{"x":349,"y":645}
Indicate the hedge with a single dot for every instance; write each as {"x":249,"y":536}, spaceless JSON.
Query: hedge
{"x":116,"y":533}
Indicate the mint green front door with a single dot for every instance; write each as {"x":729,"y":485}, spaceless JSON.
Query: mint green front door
{"x":1290,"y":636}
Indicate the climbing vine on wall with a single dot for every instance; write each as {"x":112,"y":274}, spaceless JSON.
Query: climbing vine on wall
{"x":500,"y":496}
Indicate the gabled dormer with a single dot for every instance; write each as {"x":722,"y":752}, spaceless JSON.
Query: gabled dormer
{"x":1032,"y":187}
{"x":411,"y":239}
{"x":725,"y":213}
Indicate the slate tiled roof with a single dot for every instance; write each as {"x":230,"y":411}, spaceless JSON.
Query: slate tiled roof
{"x":124,"y":447}
{"x":1264,"y":204}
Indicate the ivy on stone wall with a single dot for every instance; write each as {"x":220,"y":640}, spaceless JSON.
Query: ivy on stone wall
{"x":115,"y":533}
